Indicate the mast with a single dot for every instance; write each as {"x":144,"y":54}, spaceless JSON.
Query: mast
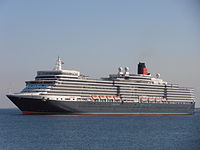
{"x":58,"y":65}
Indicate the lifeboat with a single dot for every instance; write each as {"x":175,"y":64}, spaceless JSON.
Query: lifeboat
{"x":144,"y":98}
{"x":151,"y":98}
{"x":95,"y":97}
{"x":110,"y":97}
{"x":102,"y":97}
{"x":117,"y":98}
{"x":158,"y":98}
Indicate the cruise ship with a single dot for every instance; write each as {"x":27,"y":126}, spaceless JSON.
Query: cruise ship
{"x":60,"y":91}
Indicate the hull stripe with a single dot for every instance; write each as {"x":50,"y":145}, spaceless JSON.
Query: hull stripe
{"x":60,"y":113}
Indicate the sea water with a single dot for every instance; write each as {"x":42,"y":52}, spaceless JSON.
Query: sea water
{"x":98,"y":132}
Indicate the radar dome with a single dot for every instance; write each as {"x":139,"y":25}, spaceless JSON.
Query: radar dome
{"x":157,"y":75}
{"x":120,"y":69}
{"x":126,"y":69}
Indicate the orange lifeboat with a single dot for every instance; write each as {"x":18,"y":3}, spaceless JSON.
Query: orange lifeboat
{"x":116,"y":98}
{"x":95,"y":97}
{"x":102,"y":97}
{"x":110,"y":97}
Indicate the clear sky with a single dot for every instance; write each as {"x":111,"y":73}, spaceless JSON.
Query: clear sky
{"x":96,"y":37}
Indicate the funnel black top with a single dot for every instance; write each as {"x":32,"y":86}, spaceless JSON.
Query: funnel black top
{"x":140,"y":67}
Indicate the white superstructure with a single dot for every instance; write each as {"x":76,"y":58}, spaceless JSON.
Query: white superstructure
{"x":70,"y":85}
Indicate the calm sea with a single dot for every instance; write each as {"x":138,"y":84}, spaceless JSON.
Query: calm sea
{"x":128,"y":132}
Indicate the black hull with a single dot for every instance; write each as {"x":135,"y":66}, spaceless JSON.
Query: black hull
{"x":38,"y":106}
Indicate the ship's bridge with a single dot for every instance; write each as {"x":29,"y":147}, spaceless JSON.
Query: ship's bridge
{"x":71,"y":73}
{"x":58,"y":71}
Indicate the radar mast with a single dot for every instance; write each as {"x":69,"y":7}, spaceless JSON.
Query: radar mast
{"x":58,"y":65}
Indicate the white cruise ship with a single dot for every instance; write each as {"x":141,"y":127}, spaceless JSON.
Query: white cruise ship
{"x":61,"y":91}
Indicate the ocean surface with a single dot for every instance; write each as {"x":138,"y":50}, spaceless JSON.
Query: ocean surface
{"x":85,"y":132}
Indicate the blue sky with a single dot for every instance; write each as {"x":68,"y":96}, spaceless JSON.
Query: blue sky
{"x":96,"y":37}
